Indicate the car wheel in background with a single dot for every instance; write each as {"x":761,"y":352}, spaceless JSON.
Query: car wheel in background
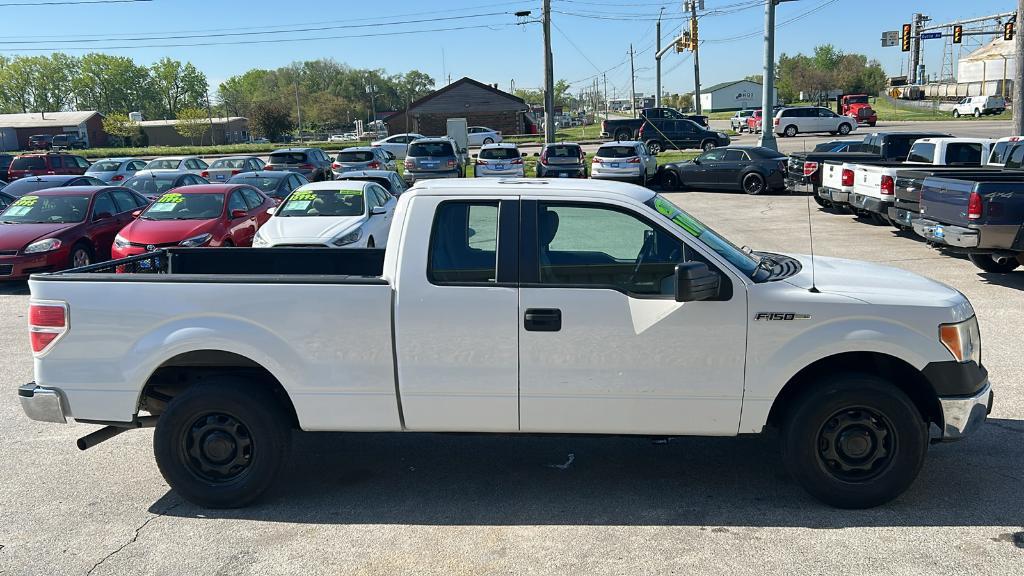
{"x":844,"y":129}
{"x":753,"y":183}
{"x":790,"y":131}
{"x":488,"y":141}
{"x":622,"y":135}
{"x":669,"y":181}
{"x":994,"y":263}
{"x":81,"y":255}
{"x":655,"y":147}
{"x":977,"y":113}
{"x":707,"y":145}
{"x":956,"y":113}
{"x":822,"y":202}
{"x":854,"y":440}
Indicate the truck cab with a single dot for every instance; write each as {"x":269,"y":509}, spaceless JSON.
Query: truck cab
{"x":857,"y":106}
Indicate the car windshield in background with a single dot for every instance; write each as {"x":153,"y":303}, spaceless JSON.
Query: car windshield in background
{"x":29,"y":163}
{"x":26,"y":185}
{"x":47,"y":209}
{"x":105,"y":166}
{"x":148,"y":186}
{"x":739,"y":258}
{"x":616,"y":152}
{"x":228,"y":163}
{"x":163,"y":165}
{"x":288,"y":158}
{"x":264,"y":184}
{"x":323,"y":203}
{"x":499,"y":154}
{"x":430,"y":149}
{"x":382,"y":181}
{"x":355,"y":156}
{"x":174,"y":206}
{"x":564,"y":152}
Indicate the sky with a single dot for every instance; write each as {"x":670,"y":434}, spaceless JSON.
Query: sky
{"x":485,"y":41}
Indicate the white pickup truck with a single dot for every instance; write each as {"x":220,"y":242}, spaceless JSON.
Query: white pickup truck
{"x":874,"y":184}
{"x":511,"y":306}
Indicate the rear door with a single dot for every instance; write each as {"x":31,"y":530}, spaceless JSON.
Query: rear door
{"x":104,"y":224}
{"x":456,"y":335}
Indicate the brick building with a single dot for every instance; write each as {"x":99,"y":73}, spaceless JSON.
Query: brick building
{"x":15,"y":129}
{"x":479,"y":103}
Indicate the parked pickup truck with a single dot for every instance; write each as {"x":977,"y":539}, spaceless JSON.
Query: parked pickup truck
{"x":629,"y":128}
{"x":805,"y":171}
{"x":874,"y":183}
{"x":511,"y":306}
{"x":981,"y":215}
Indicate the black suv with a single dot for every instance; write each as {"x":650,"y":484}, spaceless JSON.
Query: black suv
{"x":562,"y":160}
{"x":71,"y":141}
{"x":663,"y":134}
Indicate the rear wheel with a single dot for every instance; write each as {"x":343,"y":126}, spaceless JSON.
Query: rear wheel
{"x":994,"y":263}
{"x":622,"y":135}
{"x":753,"y":183}
{"x":854,"y":441}
{"x":488,"y":140}
{"x":977,"y":113}
{"x":956,"y":113}
{"x":655,"y":147}
{"x":707,"y":145}
{"x":790,"y":131}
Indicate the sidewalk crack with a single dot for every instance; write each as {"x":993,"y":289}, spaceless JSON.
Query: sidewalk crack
{"x":134,"y":537}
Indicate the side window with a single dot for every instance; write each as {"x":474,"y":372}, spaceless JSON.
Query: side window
{"x":252,"y":198}
{"x":236,"y":202}
{"x":103,"y":204}
{"x":54,"y":162}
{"x":124,"y":200}
{"x":82,"y":162}
{"x":735,"y":155}
{"x":464,"y":243}
{"x":627,"y":254}
{"x":822,"y":112}
{"x":200,"y":165}
{"x":713,"y":156}
{"x":963,"y":153}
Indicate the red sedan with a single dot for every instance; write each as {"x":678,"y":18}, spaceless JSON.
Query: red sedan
{"x":59,"y":228}
{"x":199,"y":215}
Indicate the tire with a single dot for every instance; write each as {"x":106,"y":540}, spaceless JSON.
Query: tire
{"x":707,"y":145}
{"x":753,"y":184}
{"x":229,"y":414}
{"x":669,"y":181}
{"x":228,"y":243}
{"x":642,"y":180}
{"x":790,"y":131}
{"x":655,"y":147}
{"x":81,"y":255}
{"x":977,"y":113}
{"x":623,"y":135}
{"x":885,"y":439}
{"x":990,"y":263}
{"x":844,"y":129}
{"x":956,"y":113}
{"x":488,"y":141}
{"x":822,"y":202}
{"x":872,"y":124}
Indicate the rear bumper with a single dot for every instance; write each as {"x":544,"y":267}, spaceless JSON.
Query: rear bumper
{"x":800,"y":184}
{"x":42,"y":404}
{"x":962,"y":415}
{"x":901,"y":216}
{"x":947,"y":235}
{"x":836,"y":196}
{"x":623,"y":176}
{"x":870,"y":204}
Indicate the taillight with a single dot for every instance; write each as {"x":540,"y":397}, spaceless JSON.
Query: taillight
{"x":634,"y":160}
{"x":809,"y":168}
{"x":517,"y":161}
{"x":596,"y":160}
{"x":481,"y":162}
{"x":46,"y":324}
{"x":847,"y":177}
{"x":409,"y":164}
{"x":335,"y":165}
{"x":888,"y":186}
{"x":451,"y":163}
{"x":373,"y":165}
{"x":544,"y":157}
{"x":776,"y":122}
{"x":974,"y":206}
{"x":204,"y":174}
{"x":117,"y":178}
{"x":307,"y":167}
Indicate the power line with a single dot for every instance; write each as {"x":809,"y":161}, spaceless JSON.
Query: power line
{"x":72,"y":2}
{"x":779,"y":25}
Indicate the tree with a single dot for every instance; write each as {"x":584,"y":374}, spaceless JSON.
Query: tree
{"x":192,"y":124}
{"x":120,"y":125}
{"x":271,"y":119}
{"x":177,"y":86}
{"x":37,"y":83}
{"x":111,"y":83}
{"x":759,"y":78}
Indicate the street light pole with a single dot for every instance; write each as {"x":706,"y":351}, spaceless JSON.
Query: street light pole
{"x":657,"y":61}
{"x":767,"y":139}
{"x":549,"y":78}
{"x":1018,"y":73}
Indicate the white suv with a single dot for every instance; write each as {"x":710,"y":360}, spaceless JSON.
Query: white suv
{"x":978,"y":105}
{"x":792,"y":121}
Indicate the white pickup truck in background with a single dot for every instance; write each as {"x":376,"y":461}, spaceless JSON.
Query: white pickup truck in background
{"x":511,"y":306}
{"x":874,"y":184}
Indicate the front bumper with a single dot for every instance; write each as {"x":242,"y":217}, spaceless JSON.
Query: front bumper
{"x":42,"y":404}
{"x":961,"y":415}
{"x":24,"y":265}
{"x":937,"y":233}
{"x":836,"y":196}
{"x":870,"y":204}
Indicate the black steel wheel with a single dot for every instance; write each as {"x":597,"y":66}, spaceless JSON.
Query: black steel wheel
{"x":753,"y":184}
{"x":854,"y":440}
{"x":670,"y":181}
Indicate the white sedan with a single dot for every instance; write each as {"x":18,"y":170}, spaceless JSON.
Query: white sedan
{"x":397,"y":144}
{"x":335,"y":214}
{"x":193,"y":164}
{"x":480,"y":135}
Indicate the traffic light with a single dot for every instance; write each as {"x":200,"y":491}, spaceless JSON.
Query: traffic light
{"x":681,"y":43}
{"x":958,"y":34}
{"x":905,"y":39}
{"x":1008,"y":31}
{"x":693,"y":34}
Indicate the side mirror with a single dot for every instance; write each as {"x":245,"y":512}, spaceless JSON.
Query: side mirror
{"x":696,"y":160}
{"x":694,"y":281}
{"x":271,"y":210}
{"x":102,"y":216}
{"x":236,"y":214}
{"x":377,"y":210}
{"x":137,"y":213}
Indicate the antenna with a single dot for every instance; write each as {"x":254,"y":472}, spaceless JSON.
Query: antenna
{"x":810,"y":234}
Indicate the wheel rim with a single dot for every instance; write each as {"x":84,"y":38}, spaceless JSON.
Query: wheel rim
{"x":217,"y":448}
{"x":654,"y":147}
{"x":790,"y":131}
{"x":488,"y":141}
{"x":708,"y":146}
{"x":856,"y":444}
{"x":80,"y":258}
{"x":844,"y":129}
{"x":752,"y":185}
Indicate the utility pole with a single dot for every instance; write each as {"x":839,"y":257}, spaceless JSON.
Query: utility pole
{"x":209,"y":116}
{"x":605,"y":95}
{"x":549,"y":78}
{"x":632,"y":83}
{"x":1018,"y":74}
{"x":696,"y":55}
{"x":767,"y":139}
{"x":373,"y":103}
{"x":657,"y":61}
{"x":915,"y":75}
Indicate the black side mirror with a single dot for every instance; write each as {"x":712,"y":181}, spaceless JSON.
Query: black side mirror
{"x":694,"y":281}
{"x":696,"y":160}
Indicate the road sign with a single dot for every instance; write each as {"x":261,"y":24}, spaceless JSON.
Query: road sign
{"x":930,"y":35}
{"x":890,"y":38}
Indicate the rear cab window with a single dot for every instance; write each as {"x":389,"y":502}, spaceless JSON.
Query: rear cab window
{"x":922,"y":152}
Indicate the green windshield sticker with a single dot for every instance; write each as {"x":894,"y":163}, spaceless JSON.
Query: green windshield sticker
{"x":173,"y":198}
{"x":683,"y":220}
{"x":27,"y":201}
{"x":344,"y":193}
{"x":303,"y":195}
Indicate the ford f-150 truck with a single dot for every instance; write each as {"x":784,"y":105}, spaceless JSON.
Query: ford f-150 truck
{"x":981,"y":215}
{"x":513,"y":306}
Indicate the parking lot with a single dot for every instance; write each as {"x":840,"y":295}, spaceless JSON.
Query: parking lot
{"x":476,"y":504}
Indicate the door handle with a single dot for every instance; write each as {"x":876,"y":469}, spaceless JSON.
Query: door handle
{"x":543,"y":319}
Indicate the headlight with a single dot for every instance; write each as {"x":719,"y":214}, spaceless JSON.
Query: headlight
{"x":723,"y":135}
{"x":259,"y":241}
{"x":349,"y":238}
{"x":195,"y":241}
{"x":121,"y":241}
{"x":963,"y":340}
{"x":48,"y":245}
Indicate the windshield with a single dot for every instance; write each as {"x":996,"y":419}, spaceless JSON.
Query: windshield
{"x":323,"y":203}
{"x":857,"y":99}
{"x":29,"y":163}
{"x":736,"y":256}
{"x":163,"y":165}
{"x":225,"y":163}
{"x":263,"y":183}
{"x":105,"y":166}
{"x":47,"y":209}
{"x":149,"y":186}
{"x":175,"y":206}
{"x":430,"y":149}
{"x":499,"y":154}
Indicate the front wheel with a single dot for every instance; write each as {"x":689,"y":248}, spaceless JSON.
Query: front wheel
{"x":80,"y":256}
{"x":844,"y":129}
{"x":669,"y":181}
{"x":222,"y":443}
{"x":956,"y":113}
{"x":488,"y":141}
{"x":753,"y":184}
{"x":977,"y":113}
{"x":854,"y":441}
{"x":993,"y":263}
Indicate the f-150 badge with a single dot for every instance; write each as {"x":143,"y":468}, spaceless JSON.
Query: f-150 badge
{"x":774,"y":316}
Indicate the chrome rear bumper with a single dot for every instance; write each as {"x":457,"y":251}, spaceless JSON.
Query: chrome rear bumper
{"x":43,"y":404}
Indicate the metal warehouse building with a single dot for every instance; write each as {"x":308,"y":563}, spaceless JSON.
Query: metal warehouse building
{"x":231,"y":130}
{"x":479,"y":103}
{"x":15,"y":129}
{"x":736,"y":95}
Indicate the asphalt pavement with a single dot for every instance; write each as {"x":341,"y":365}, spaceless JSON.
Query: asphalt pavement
{"x":431,"y":504}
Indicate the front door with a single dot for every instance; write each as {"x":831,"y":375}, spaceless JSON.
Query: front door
{"x":703,"y":174}
{"x":456,"y":336}
{"x":603,"y":345}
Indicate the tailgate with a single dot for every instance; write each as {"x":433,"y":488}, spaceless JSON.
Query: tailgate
{"x":945,"y":200}
{"x":832,"y":175}
{"x":867,"y":180}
